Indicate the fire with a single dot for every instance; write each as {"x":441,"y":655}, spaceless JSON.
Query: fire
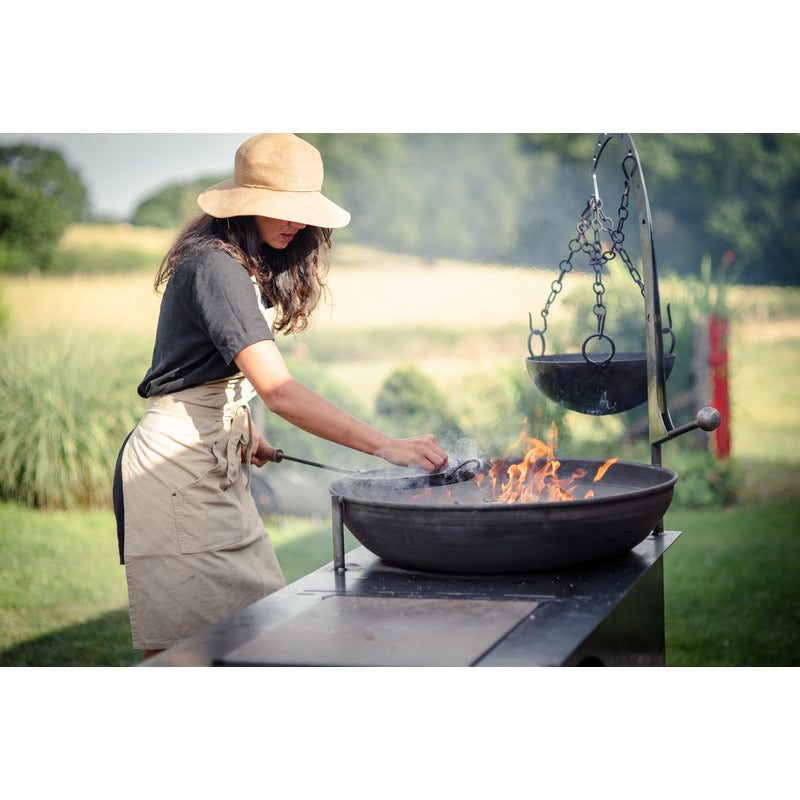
{"x":535,"y":478}
{"x":602,"y":470}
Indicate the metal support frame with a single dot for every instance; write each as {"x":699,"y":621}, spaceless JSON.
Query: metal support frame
{"x":658,"y":412}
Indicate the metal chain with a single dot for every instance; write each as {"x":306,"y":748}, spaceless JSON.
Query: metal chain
{"x":593,"y":220}
{"x":617,"y":236}
{"x":556,"y":286}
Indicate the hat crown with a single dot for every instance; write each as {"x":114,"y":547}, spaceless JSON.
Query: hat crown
{"x":279,"y":161}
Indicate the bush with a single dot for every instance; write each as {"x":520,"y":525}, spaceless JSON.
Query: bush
{"x":703,"y":480}
{"x":495,"y":407}
{"x":67,"y":401}
{"x":410,"y":403}
{"x":110,"y":249}
{"x":101,"y":259}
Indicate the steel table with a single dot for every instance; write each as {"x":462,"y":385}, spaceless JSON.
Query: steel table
{"x":374,"y":614}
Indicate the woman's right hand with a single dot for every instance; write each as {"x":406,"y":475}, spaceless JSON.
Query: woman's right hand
{"x":421,"y":451}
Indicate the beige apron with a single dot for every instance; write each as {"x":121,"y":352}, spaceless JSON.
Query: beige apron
{"x":196,"y":549}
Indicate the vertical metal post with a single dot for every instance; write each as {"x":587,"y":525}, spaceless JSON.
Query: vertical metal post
{"x":655,"y":460}
{"x":337,"y":523}
{"x":660,"y":422}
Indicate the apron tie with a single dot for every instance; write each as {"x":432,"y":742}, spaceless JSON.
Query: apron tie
{"x":241,"y":432}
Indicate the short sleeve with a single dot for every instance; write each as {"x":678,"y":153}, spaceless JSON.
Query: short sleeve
{"x":223,"y":301}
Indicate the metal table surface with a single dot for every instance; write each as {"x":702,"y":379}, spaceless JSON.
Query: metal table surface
{"x":373,"y":614}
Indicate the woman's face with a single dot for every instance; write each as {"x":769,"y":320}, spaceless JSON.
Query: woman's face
{"x":277,"y":233}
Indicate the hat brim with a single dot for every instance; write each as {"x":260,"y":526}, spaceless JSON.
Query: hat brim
{"x":231,"y":199}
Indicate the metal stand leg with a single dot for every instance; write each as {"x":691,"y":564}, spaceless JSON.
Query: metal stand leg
{"x":338,"y":533}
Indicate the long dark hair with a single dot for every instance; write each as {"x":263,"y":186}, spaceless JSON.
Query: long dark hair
{"x":292,"y":280}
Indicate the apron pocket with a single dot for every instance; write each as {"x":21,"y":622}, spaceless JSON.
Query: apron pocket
{"x":208,"y":511}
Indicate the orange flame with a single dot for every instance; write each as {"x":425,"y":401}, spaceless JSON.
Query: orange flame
{"x":602,"y":470}
{"x":535,"y":479}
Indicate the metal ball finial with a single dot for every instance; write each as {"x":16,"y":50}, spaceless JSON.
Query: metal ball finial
{"x":708,"y":419}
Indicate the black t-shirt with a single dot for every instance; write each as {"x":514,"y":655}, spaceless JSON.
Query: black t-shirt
{"x":209,"y":313}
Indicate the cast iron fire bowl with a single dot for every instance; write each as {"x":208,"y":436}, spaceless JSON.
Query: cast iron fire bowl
{"x":452,"y":529}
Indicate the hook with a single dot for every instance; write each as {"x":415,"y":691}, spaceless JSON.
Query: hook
{"x":627,"y":145}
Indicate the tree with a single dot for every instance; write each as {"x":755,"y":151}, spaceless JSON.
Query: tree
{"x":708,"y":193}
{"x":39,"y":197}
{"x":174,"y":205}
{"x":516,"y":198}
{"x":436,"y":195}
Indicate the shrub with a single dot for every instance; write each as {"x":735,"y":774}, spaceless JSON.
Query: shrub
{"x":67,"y":401}
{"x":110,"y":249}
{"x":410,"y":403}
{"x":102,"y":258}
{"x":703,"y":480}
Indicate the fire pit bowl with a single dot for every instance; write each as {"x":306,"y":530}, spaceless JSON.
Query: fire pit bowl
{"x":459,"y":530}
{"x":594,"y":387}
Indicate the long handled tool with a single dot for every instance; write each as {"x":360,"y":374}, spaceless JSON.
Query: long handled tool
{"x":456,"y":472}
{"x":273,"y":454}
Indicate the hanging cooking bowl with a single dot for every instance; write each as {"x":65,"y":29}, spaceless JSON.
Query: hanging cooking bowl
{"x":594,"y":387}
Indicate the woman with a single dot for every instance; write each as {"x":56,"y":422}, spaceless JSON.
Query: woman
{"x":194,"y":547}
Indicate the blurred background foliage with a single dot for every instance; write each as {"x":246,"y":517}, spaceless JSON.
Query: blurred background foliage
{"x":503,"y":197}
{"x":489,"y":198}
{"x":40,"y":196}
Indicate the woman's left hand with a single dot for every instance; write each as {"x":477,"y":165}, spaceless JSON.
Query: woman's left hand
{"x":421,"y":451}
{"x":261,"y":449}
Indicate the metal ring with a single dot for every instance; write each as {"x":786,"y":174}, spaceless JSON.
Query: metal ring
{"x":598,"y":336}
{"x":540,"y":334}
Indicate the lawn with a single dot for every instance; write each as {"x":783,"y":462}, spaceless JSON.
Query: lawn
{"x":731,"y":591}
{"x":63,"y":600}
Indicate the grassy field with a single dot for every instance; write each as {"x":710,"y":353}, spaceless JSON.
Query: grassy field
{"x":731,"y":590}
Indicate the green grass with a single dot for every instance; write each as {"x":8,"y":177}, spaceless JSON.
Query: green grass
{"x":765,"y":410}
{"x":63,"y":598}
{"x":731,"y":586}
{"x":66,"y":406}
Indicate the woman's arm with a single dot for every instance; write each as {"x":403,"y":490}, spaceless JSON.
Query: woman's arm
{"x":263,"y":365}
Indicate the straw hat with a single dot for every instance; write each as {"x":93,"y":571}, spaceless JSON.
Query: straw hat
{"x":275,"y":175}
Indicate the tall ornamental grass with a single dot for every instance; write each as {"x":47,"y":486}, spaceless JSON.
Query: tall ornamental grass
{"x":67,"y":401}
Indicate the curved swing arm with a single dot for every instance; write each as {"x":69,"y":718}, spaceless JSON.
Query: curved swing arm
{"x":658,"y":413}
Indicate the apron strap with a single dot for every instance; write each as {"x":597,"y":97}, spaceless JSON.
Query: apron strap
{"x":241,"y":432}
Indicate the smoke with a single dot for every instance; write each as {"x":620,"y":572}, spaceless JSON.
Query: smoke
{"x":460,"y":447}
